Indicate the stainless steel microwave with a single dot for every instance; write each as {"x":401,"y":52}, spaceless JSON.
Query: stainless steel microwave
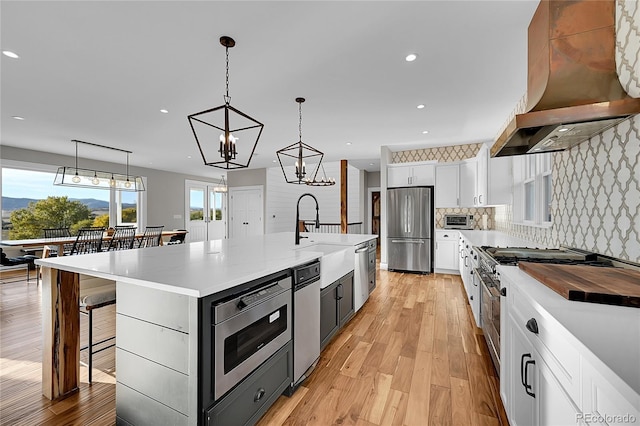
{"x":458,"y":221}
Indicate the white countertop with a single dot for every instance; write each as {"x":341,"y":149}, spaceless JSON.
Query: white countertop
{"x":610,"y":333}
{"x":202,"y":268}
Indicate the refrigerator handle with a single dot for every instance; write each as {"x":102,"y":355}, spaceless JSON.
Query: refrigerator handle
{"x":410,"y":214}
{"x":408,"y":241}
{"x":406,"y":214}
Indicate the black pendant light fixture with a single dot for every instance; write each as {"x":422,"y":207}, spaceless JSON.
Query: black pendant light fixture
{"x":89,"y":178}
{"x":297,"y":153}
{"x":323,"y":181}
{"x":218,"y":131}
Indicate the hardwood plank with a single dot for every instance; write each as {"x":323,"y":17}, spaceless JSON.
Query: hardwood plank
{"x":440,"y":367}
{"x":374,"y":404}
{"x":403,"y":374}
{"x":352,"y":364}
{"x":440,"y":406}
{"x":395,"y":409}
{"x":461,"y":402}
{"x":457,"y":361}
{"x":417,"y":406}
{"x":481,"y":394}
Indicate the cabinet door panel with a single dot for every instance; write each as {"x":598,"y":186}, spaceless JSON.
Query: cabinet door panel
{"x":423,"y":175}
{"x":447,"y":185}
{"x":555,"y":407}
{"x":521,"y":407}
{"x":398,"y":176}
{"x":346,"y":306}
{"x":328,"y":314}
{"x":468,"y":196}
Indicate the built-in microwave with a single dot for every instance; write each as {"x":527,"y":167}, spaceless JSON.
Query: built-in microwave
{"x":458,"y":221}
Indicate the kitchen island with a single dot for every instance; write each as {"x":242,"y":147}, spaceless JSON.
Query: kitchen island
{"x":161,"y":286}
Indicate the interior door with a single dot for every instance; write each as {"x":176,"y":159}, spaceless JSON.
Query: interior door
{"x":206,"y":213}
{"x":246,"y":211}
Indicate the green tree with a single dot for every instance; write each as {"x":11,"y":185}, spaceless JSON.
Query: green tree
{"x":53,"y":212}
{"x":129,"y":215}
{"x":102,"y":220}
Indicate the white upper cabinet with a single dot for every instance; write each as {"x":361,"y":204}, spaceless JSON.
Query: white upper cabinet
{"x":410,"y":174}
{"x":468,"y":170}
{"x":447,"y":185}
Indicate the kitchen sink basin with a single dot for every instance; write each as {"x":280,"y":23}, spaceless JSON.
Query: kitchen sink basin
{"x":336,"y":261}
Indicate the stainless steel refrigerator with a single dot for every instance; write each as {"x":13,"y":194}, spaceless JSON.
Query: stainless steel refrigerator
{"x":410,"y":228}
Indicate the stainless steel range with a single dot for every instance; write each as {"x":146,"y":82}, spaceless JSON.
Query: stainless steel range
{"x":491,"y":290}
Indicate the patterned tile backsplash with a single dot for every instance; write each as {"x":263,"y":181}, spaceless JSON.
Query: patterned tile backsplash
{"x":476,"y":212}
{"x":596,"y":196}
{"x":442,"y":154}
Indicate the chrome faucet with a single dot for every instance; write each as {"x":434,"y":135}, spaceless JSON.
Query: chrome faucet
{"x":298,"y":216}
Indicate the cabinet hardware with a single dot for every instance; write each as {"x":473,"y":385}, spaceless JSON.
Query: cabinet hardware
{"x":339,"y":292}
{"x":503,"y":291}
{"x":480,"y":199}
{"x":259,"y":394}
{"x":532,"y":326}
{"x":528,"y":387}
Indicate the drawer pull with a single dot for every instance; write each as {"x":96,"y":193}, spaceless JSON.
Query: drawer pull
{"x":532,"y":326}
{"x":503,"y":291}
{"x":524,"y":366}
{"x":259,"y":394}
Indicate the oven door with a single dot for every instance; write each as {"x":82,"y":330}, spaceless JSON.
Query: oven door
{"x":491,"y":316}
{"x":246,"y":340}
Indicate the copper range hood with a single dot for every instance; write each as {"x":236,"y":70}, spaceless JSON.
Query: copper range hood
{"x":573,"y":91}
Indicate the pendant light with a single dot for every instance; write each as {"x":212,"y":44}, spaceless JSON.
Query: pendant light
{"x":87,"y":178}
{"x":292,"y":157}
{"x":324,"y":180}
{"x":222,"y":186}
{"x":219,"y":130}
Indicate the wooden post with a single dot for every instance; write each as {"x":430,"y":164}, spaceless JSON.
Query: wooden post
{"x":61,"y":333}
{"x":344,"y":228}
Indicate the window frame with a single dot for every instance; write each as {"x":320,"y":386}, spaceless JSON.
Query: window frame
{"x":532,"y":169}
{"x":113,"y":208}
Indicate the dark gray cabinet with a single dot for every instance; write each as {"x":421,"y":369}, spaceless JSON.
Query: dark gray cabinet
{"x":372,"y":265}
{"x":245,"y":404}
{"x":336,"y":307}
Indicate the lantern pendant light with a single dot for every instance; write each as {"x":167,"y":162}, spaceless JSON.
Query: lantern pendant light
{"x":218,"y":130}
{"x":299,"y":151}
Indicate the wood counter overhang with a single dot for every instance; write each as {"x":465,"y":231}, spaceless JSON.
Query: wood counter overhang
{"x":196,"y":269}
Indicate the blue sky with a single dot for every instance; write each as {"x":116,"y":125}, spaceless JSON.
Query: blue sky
{"x":39,"y":185}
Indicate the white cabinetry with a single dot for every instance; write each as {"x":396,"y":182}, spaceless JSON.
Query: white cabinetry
{"x":471,"y":283}
{"x":410,"y":174}
{"x":447,"y":253}
{"x":447,"y":185}
{"x":548,"y":376}
{"x":485,"y":181}
{"x":468,"y":170}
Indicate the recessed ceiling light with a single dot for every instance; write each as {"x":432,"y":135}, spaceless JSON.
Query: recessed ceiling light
{"x":17,"y":117}
{"x":348,"y":143}
{"x":10,"y":54}
{"x":564,"y":129}
{"x":273,"y":161}
{"x":424,"y":132}
{"x":371,"y":164}
{"x":420,"y":106}
{"x":164,"y":111}
{"x":188,"y":156}
{"x":411,"y":57}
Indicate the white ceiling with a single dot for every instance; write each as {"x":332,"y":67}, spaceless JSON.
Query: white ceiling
{"x":101,"y":71}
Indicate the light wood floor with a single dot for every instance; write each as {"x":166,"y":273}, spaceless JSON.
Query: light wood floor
{"x":411,"y":356}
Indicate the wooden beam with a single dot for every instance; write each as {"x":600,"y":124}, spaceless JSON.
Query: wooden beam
{"x":343,"y":197}
{"x":61,"y":333}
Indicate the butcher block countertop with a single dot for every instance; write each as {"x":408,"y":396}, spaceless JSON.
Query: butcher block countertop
{"x":610,"y":286}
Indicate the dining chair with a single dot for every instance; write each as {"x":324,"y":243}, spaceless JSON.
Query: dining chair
{"x":122,"y":238}
{"x":89,"y":240}
{"x":58,"y":233}
{"x":178,"y":238}
{"x":152,"y":236}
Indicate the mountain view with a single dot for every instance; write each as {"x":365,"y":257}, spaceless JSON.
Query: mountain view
{"x":11,"y":204}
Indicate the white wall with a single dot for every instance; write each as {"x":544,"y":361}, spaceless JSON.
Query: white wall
{"x":281,"y":198}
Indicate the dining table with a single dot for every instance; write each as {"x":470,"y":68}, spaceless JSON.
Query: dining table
{"x":60,"y":242}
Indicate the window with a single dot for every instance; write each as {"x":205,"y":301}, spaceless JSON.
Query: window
{"x":533,"y":189}
{"x":25,"y":184}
